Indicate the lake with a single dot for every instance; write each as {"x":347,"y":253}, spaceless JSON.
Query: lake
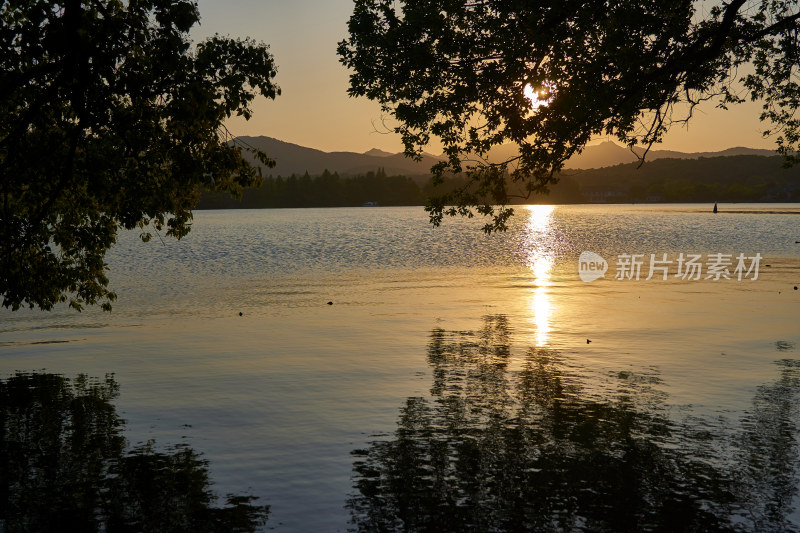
{"x":357,"y":369}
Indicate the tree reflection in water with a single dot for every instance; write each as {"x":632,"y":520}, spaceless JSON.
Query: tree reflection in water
{"x":64,"y":467}
{"x":531,"y":450}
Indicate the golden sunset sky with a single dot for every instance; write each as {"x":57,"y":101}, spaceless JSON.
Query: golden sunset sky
{"x":315,"y":110}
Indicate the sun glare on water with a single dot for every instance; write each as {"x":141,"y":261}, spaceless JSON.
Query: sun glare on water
{"x":540,"y":263}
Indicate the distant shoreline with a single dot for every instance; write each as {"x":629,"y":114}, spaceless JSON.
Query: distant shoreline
{"x":701,"y":206}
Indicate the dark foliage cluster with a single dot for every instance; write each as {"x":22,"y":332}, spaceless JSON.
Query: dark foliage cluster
{"x":110,"y":118}
{"x":458,"y":72}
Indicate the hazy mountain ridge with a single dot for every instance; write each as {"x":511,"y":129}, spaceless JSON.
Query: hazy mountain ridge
{"x":295,"y":159}
{"x":608,"y":154}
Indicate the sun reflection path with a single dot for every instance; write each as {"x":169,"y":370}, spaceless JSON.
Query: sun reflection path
{"x":540,"y":262}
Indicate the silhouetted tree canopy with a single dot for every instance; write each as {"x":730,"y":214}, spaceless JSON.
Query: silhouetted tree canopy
{"x":458,"y":71}
{"x":109,"y":119}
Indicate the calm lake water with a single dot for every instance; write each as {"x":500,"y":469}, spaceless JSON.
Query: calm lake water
{"x":451,"y":384}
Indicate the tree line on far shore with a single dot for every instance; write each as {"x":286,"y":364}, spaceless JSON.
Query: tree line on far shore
{"x":326,"y":190}
{"x":724,"y":179}
{"x":740,"y":178}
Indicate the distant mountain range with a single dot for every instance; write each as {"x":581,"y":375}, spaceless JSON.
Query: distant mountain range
{"x":609,"y":154}
{"x":296,"y":159}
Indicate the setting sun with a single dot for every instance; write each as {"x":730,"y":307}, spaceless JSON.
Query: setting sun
{"x":536,"y":96}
